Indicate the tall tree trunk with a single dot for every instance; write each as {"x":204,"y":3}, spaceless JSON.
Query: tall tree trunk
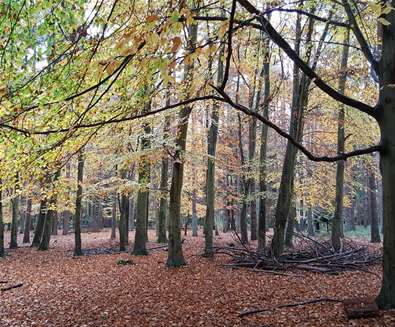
{"x":386,"y":119}
{"x":337,"y":222}
{"x":78,"y":205}
{"x":244,"y":190}
{"x":299,"y":103}
{"x":164,"y":176}
{"x":38,"y":231}
{"x":14,"y":222}
{"x":175,"y":256}
{"x":374,"y":223}
{"x":210,"y":177}
{"x":194,"y":214}
{"x":28,"y":218}
{"x":263,"y":150}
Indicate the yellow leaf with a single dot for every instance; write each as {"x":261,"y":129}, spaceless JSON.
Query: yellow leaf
{"x":384,"y":21}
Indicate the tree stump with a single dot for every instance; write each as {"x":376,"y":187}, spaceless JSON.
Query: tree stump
{"x":361,"y":308}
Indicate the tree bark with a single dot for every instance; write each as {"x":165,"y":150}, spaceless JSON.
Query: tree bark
{"x":78,"y":205}
{"x":38,"y":231}
{"x":386,"y":119}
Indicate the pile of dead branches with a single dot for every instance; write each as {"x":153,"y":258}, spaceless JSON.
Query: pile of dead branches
{"x":309,"y":254}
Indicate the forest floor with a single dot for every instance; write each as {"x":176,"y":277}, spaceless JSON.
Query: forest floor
{"x":93,"y":290}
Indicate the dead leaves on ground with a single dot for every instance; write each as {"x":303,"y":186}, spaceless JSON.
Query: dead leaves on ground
{"x":95,"y":290}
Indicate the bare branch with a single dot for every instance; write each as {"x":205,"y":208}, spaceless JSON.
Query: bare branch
{"x":268,"y":28}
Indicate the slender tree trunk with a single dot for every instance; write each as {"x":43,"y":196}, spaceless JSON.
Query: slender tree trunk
{"x":38,"y":231}
{"x":78,"y":205}
{"x":263,"y":150}
{"x":244,"y":190}
{"x":175,"y":256}
{"x":14,"y":222}
{"x":374,"y":223}
{"x":28,"y":218}
{"x":123,"y":228}
{"x":194,"y":214}
{"x":114,"y":217}
{"x":164,"y":176}
{"x":337,"y":222}
{"x":210,"y":177}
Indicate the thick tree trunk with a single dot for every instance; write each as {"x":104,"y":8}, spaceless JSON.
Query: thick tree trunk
{"x":374,"y":223}
{"x":175,"y":256}
{"x":386,"y":298}
{"x":78,"y":205}
{"x":14,"y":222}
{"x":337,"y":222}
{"x":28,"y":218}
{"x":38,"y":231}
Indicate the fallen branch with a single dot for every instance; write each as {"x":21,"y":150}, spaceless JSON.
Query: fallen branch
{"x":4,"y":289}
{"x":288,"y":305}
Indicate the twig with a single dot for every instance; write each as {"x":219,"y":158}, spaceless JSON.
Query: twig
{"x":288,"y":305}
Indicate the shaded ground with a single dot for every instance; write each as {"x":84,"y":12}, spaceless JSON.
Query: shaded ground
{"x":94,"y":290}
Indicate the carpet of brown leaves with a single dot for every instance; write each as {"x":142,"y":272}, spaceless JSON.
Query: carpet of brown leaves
{"x":94,"y":290}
